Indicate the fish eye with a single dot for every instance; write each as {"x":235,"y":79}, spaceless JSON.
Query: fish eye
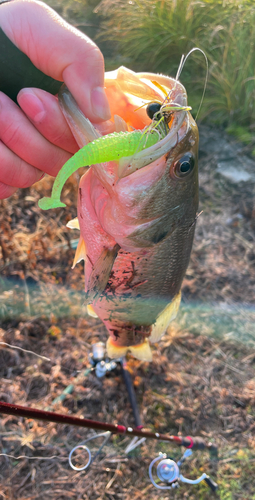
{"x":184,"y":165}
{"x":152,"y":109}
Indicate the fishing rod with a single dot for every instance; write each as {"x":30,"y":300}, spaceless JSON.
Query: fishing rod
{"x":167,"y":470}
{"x":195,"y":443}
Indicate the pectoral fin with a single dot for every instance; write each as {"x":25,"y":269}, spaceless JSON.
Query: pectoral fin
{"x":91,"y":312}
{"x":73,"y":224}
{"x":165,"y":318}
{"x":80,"y":253}
{"x":100,"y":273}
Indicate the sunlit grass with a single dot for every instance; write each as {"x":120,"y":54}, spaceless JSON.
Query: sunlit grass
{"x":153,"y":34}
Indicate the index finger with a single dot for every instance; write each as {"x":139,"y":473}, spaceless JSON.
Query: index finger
{"x":60,"y":51}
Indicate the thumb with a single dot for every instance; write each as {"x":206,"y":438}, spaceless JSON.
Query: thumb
{"x":59,"y":50}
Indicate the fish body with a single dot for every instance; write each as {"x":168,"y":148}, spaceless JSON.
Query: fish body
{"x":137,"y":215}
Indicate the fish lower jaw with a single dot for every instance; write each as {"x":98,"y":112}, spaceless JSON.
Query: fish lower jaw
{"x":140,"y":351}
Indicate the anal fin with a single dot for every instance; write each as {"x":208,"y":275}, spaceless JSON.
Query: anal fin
{"x":165,"y":318}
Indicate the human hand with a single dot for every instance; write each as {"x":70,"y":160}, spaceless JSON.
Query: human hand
{"x":35,"y":138}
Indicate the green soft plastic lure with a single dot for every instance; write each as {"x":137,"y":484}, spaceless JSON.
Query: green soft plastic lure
{"x":110,"y":147}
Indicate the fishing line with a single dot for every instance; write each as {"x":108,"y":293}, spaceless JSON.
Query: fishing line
{"x":82,"y":446}
{"x":33,"y":458}
{"x":25,"y":350}
{"x":181,"y":66}
{"x":69,"y":389}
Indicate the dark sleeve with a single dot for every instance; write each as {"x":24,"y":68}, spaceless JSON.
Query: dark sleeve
{"x":17,"y":71}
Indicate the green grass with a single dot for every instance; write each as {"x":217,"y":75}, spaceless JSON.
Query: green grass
{"x":153,"y":34}
{"x":19,"y":301}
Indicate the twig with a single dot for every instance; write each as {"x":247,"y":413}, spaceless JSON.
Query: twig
{"x":25,"y":350}
{"x":113,"y":478}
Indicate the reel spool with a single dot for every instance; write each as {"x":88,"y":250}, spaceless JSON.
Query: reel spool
{"x":168,"y":472}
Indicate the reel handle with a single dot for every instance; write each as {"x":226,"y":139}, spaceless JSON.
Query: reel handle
{"x":214,"y":486}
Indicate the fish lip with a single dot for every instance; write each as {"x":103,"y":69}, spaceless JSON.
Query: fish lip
{"x":128,"y":165}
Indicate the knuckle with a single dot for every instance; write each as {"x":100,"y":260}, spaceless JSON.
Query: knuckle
{"x":95,"y":57}
{"x":29,"y":176}
{"x":10,"y":135}
{"x":18,"y":174}
{"x":58,"y":136}
{"x":6,"y":191}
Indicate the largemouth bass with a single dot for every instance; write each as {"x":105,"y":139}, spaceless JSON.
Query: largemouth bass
{"x":137,"y":206}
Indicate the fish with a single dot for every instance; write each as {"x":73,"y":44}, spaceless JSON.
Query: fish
{"x":137,"y":205}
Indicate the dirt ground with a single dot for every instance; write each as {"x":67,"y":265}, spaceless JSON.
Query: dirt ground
{"x":201,"y":380}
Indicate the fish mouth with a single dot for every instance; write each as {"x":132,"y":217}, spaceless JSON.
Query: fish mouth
{"x":129,"y":94}
{"x":139,"y":90}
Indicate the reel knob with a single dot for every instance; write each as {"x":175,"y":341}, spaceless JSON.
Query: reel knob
{"x":168,"y":471}
{"x":98,"y":351}
{"x":101,"y":369}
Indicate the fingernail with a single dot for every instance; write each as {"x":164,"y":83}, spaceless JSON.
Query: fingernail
{"x":100,"y":103}
{"x":31,"y":105}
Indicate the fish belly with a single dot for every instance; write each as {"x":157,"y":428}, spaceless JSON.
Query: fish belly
{"x":142,"y":295}
{"x":141,"y":284}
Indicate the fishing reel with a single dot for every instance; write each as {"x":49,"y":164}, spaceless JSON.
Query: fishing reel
{"x":168,"y":472}
{"x":100,"y":362}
